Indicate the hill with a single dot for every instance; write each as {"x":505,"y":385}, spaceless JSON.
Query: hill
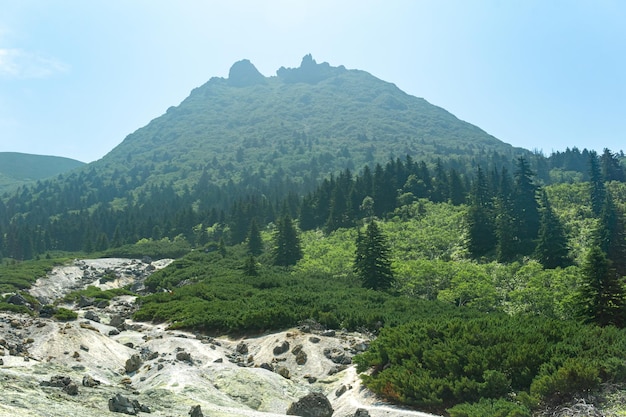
{"x":19,"y":168}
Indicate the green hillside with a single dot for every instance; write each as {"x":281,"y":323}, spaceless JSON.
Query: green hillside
{"x":19,"y":168}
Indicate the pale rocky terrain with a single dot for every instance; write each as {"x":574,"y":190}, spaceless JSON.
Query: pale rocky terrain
{"x":52,"y":368}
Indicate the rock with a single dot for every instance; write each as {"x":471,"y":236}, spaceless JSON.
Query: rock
{"x":1,"y":362}
{"x":284,"y":372}
{"x":71,"y":389}
{"x":121,"y":404}
{"x":242,"y":348}
{"x":361,"y":412}
{"x":90,"y":315}
{"x":16,"y":324}
{"x":196,"y":411}
{"x":114,"y":332}
{"x":267,"y":366}
{"x":117,"y":321}
{"x":18,"y":300}
{"x":301,"y":358}
{"x":85,"y":348}
{"x":314,"y":339}
{"x":282,"y":348}
{"x":311,"y":405}
{"x":297,"y":349}
{"x":337,"y":356}
{"x":218,"y":360}
{"x":244,"y":73}
{"x":329,"y":333}
{"x":85,"y":302}
{"x":184,"y":357}
{"x":341,"y":390}
{"x":133,"y":364}
{"x":89,"y":381}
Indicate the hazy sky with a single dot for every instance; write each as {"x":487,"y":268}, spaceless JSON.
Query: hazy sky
{"x":77,"y":76}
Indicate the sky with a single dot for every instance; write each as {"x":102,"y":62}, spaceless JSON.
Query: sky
{"x":76,"y":76}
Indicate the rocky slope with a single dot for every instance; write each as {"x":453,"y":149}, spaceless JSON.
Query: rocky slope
{"x":103,"y":362}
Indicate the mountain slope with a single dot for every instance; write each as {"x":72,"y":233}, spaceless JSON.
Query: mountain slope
{"x":20,"y":168}
{"x":307,"y":121}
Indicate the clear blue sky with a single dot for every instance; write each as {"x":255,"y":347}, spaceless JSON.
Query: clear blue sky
{"x":77,"y":76}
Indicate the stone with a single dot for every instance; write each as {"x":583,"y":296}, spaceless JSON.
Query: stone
{"x":196,"y":411}
{"x":314,"y":404}
{"x":114,"y":332}
{"x":89,"y":381}
{"x":301,"y":358}
{"x":85,"y":348}
{"x":85,"y":302}
{"x":341,"y":390}
{"x":18,"y":300}
{"x":361,"y":412}
{"x":121,"y":404}
{"x":282,"y":348}
{"x":71,"y":389}
{"x":314,"y":339}
{"x":1,"y":362}
{"x":242,"y":348}
{"x":117,"y":321}
{"x":184,"y":357}
{"x":284,"y":372}
{"x":133,"y":364}
{"x":90,"y":315}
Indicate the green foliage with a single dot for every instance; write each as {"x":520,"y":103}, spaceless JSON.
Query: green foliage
{"x":287,"y":250}
{"x":20,"y":275}
{"x":64,"y":314}
{"x":441,"y":361}
{"x":96,"y":293}
{"x":157,"y":249}
{"x":372,"y":264}
{"x":488,"y":407}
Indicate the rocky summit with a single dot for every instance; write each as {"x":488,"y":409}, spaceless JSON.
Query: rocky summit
{"x":104,"y":363}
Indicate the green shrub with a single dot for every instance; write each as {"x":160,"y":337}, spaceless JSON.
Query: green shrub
{"x":63,"y":314}
{"x":487,"y":407}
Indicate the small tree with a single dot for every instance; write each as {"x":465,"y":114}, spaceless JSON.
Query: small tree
{"x":551,"y":248}
{"x":255,"y":243}
{"x":287,"y":250}
{"x":250,"y":268}
{"x":371,"y":263}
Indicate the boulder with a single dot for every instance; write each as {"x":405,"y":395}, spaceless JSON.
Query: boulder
{"x":196,"y":411}
{"x":133,"y":364}
{"x":90,"y":315}
{"x":71,"y":389}
{"x":242,"y":348}
{"x":184,"y":357}
{"x":314,"y":404}
{"x":89,"y":381}
{"x":282,"y":348}
{"x":121,"y":404}
{"x":301,"y":358}
{"x":361,"y":412}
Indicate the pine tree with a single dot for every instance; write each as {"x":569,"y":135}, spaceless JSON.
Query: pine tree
{"x":479,"y":218}
{"x":596,"y":183}
{"x":254,"y":241}
{"x":551,"y":248}
{"x":506,"y":248}
{"x":526,"y":215}
{"x":612,"y":235}
{"x":371,"y":263}
{"x":602,"y":293}
{"x":250,"y":268}
{"x":287,"y":250}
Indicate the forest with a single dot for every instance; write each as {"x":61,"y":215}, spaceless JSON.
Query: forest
{"x":493,"y":288}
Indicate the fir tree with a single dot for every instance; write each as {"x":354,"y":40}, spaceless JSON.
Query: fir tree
{"x":602,"y":293}
{"x":254,"y":241}
{"x":551,"y":248}
{"x":287,"y":250}
{"x":596,"y":183}
{"x":612,"y":235}
{"x":371,"y":263}
{"x":526,"y":215}
{"x":479,"y":218}
{"x":250,"y":268}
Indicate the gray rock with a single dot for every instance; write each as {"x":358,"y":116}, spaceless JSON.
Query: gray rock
{"x":71,"y":389}
{"x":18,"y":300}
{"x":196,"y":411}
{"x":133,"y":364}
{"x":282,"y":348}
{"x":301,"y":358}
{"x":341,"y":390}
{"x":184,"y":357}
{"x":314,"y":339}
{"x":284,"y":372}
{"x":361,"y":412}
{"x":85,"y":301}
{"x":1,"y":362}
{"x":121,"y":404}
{"x":90,"y":315}
{"x":311,"y":405}
{"x":117,"y":321}
{"x":242,"y":348}
{"x":89,"y":381}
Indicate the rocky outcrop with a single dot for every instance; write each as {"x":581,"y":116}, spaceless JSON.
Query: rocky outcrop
{"x":243,"y":73}
{"x":121,"y":404}
{"x":196,"y":411}
{"x":133,"y":364}
{"x":312,"y":405}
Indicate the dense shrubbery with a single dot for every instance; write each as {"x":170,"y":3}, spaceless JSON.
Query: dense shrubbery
{"x":15,"y":275}
{"x":440,"y":362}
{"x":97,"y":294}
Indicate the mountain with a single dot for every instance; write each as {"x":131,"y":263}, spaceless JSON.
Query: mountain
{"x":303,"y":123}
{"x":20,"y":168}
{"x":241,"y":137}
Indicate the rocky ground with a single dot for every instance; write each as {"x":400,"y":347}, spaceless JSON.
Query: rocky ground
{"x":104,"y":363}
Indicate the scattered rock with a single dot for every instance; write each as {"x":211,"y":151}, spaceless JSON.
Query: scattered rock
{"x":85,"y":302}
{"x":341,"y":390}
{"x":90,"y":315}
{"x":301,"y":358}
{"x":311,"y":405}
{"x":184,"y":357}
{"x":85,"y":348}
{"x":1,"y":362}
{"x":133,"y":364}
{"x":218,"y":360}
{"x":196,"y":411}
{"x":361,"y":412}
{"x":284,"y":372}
{"x":89,"y":381}
{"x":117,"y":321}
{"x":314,"y":339}
{"x":18,"y":300}
{"x":121,"y":404}
{"x":282,"y":348}
{"x":267,"y":366}
{"x":242,"y":348}
{"x":71,"y":389}
{"x":114,"y":332}
{"x":329,"y":333}
{"x":338,"y":356}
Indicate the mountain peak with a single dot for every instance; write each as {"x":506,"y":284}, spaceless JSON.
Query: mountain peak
{"x":309,"y":71}
{"x":244,"y":73}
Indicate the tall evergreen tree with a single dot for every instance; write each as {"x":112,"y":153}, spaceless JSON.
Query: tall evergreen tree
{"x":287,"y":250}
{"x":602,"y":295}
{"x":526,"y":215}
{"x":551,"y":248}
{"x":612,"y":235}
{"x":507,"y":245}
{"x":372,"y":264}
{"x":480,"y":222}
{"x":596,"y":184}
{"x":254,"y":241}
